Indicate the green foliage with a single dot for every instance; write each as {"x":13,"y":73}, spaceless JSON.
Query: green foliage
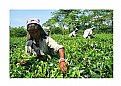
{"x":56,"y":30}
{"x":17,"y":32}
{"x":102,"y":20}
{"x":86,"y":58}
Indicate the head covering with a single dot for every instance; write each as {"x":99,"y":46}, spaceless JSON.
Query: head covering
{"x":33,"y":20}
{"x":76,"y":29}
{"x":36,"y":21}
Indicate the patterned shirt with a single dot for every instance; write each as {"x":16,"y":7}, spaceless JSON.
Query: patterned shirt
{"x":47,"y":45}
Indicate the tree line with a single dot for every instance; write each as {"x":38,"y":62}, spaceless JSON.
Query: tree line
{"x":64,"y":21}
{"x":70,"y":19}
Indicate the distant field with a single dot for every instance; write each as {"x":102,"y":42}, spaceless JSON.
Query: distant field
{"x":86,"y":58}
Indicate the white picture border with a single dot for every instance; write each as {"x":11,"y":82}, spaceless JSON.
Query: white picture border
{"x":6,"y":5}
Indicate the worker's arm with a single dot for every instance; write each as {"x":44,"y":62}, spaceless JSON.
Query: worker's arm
{"x":63,"y":65}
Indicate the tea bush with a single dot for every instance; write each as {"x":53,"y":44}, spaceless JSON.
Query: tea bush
{"x":86,"y":58}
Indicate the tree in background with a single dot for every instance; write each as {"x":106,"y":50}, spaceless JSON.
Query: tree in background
{"x":66,"y":20}
{"x":102,"y":20}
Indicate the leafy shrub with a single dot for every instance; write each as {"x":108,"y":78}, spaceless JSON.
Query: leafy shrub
{"x":56,"y":30}
{"x":86,"y":58}
{"x":17,"y":32}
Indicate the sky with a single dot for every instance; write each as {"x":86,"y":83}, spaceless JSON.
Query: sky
{"x":20,"y":17}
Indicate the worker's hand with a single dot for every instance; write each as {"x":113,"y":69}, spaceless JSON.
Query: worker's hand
{"x":63,"y":66}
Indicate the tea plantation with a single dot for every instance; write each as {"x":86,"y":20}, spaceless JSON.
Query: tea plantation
{"x":86,"y":58}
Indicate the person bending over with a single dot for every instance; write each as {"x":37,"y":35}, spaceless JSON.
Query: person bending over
{"x":40,"y":44}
